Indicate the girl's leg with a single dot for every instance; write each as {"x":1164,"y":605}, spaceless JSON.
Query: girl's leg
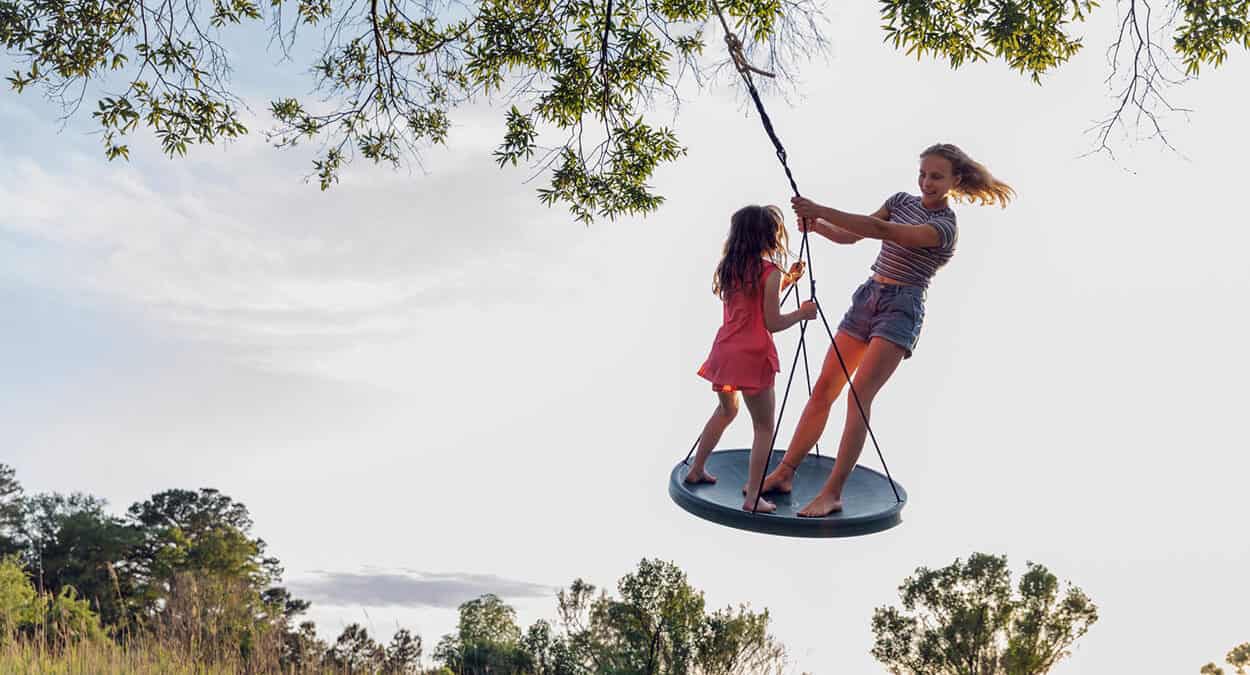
{"x":761,"y":407}
{"x":816,"y":413}
{"x":879,"y":363}
{"x":726,"y":410}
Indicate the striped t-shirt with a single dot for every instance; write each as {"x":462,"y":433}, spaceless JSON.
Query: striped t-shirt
{"x":916,"y":265}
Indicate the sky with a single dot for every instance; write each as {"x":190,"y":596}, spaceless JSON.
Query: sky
{"x":425,"y":385}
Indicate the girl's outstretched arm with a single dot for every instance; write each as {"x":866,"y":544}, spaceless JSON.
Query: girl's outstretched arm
{"x":774,"y":320}
{"x":872,"y":227}
{"x":836,"y":234}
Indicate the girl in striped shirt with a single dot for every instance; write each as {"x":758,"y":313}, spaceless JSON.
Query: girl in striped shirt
{"x":918,"y":235}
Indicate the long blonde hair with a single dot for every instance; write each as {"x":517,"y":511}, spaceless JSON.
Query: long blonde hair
{"x":976,"y":183}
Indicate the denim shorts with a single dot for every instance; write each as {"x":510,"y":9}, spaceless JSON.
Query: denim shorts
{"x":890,"y":311}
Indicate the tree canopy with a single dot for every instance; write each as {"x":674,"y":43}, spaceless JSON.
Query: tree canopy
{"x":577,"y":78}
{"x":963,"y":619}
{"x":10,"y":511}
{"x":658,"y":623}
{"x":1238,"y":657}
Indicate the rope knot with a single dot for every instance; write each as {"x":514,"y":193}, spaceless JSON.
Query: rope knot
{"x":739,"y":57}
{"x":735,"y":48}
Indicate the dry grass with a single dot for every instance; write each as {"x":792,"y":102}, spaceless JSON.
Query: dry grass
{"x":98,"y":656}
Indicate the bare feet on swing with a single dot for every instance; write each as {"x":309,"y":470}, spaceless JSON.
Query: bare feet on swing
{"x":764,"y":506}
{"x":781,"y":480}
{"x":697,"y":477}
{"x":823,"y":505}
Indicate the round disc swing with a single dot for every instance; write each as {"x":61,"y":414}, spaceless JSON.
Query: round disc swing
{"x":873,"y":501}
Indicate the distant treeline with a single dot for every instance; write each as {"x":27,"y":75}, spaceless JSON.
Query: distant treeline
{"x":179,"y":584}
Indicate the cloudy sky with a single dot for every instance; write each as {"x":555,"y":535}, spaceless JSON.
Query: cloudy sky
{"x":425,"y":385}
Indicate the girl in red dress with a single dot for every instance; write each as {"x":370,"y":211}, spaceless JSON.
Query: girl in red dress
{"x":749,"y":282}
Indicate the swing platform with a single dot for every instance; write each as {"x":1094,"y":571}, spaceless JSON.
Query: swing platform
{"x":868,"y":502}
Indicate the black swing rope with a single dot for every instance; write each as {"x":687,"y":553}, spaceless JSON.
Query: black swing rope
{"x":745,"y":69}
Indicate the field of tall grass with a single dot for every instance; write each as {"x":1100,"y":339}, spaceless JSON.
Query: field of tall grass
{"x":99,"y":656}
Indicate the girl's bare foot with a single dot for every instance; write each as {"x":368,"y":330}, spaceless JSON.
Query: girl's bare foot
{"x":781,"y":480}
{"x":764,"y":506}
{"x":821,"y":506}
{"x":697,"y":477}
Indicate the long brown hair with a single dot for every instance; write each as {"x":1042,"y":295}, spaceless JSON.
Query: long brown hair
{"x":976,"y":183}
{"x":755,"y":233}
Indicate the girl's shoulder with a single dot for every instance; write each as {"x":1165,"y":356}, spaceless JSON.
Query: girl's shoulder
{"x":914,"y":206}
{"x":900,"y":198}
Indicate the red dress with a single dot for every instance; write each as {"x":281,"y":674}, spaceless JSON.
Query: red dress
{"x":743,"y":355}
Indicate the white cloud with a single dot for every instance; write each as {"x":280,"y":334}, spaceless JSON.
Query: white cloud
{"x":195,"y":243}
{"x":409,"y":588}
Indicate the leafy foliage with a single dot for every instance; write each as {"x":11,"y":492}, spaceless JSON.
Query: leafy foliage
{"x":487,"y":640}
{"x":1032,"y":37}
{"x":658,"y":624}
{"x":17,"y":598}
{"x":10,"y":511}
{"x":356,"y":651}
{"x":1210,"y":28}
{"x":61,"y":619}
{"x":403,"y":654}
{"x":963,"y":619}
{"x":301,"y":648}
{"x":187,"y":531}
{"x":182,"y":565}
{"x":392,"y":71}
{"x":71,"y":542}
{"x":68,"y":619}
{"x":1238,"y":657}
